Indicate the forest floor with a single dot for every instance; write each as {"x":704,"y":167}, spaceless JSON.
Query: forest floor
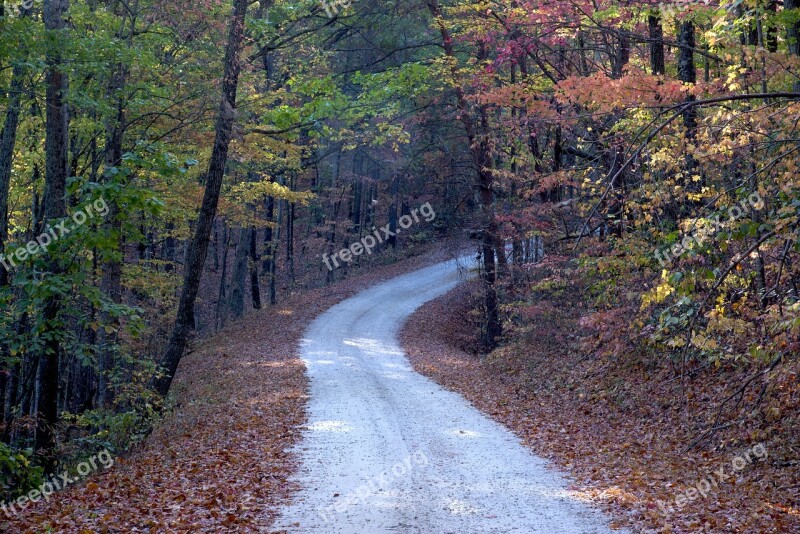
{"x":616,"y":422}
{"x":218,"y":461}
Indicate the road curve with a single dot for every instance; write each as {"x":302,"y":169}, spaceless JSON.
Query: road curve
{"x":388,"y":450}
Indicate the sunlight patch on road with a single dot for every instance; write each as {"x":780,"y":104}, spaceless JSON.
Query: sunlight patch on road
{"x":395,"y":376}
{"x":397,"y":366}
{"x":330,"y":426}
{"x":461,"y":433}
{"x":458,"y":507}
{"x":373,"y":346}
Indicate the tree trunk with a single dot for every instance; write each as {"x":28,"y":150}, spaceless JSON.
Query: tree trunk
{"x":621,"y":57}
{"x":269,"y":251}
{"x":255,"y":289}
{"x":686,"y":67}
{"x":270,"y":214}
{"x":355,"y":212}
{"x":395,"y":192}
{"x":657,"y":63}
{"x":8,"y":139}
{"x":168,"y":251}
{"x":55,"y":207}
{"x":771,"y":38}
{"x":222,"y":297}
{"x":687,"y":73}
{"x":330,"y":237}
{"x":198,"y":248}
{"x":793,"y":28}
{"x":239,"y":274}
{"x":793,"y":36}
{"x":481,"y":159}
{"x":111,"y":283}
{"x":290,"y":233}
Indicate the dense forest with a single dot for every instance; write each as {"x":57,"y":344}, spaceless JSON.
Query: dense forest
{"x":166,"y":168}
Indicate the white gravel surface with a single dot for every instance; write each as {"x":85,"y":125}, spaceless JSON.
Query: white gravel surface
{"x":388,"y":450}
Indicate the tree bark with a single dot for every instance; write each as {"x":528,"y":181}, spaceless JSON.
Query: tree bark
{"x":8,"y":139}
{"x":198,"y":248}
{"x":481,"y":159}
{"x":793,"y":28}
{"x":687,"y":73}
{"x":793,"y":36}
{"x":621,"y":57}
{"x":255,"y":289}
{"x":239,"y":274}
{"x":55,"y":207}
{"x":222,"y":296}
{"x":657,"y":63}
{"x":268,"y":267}
{"x":290,"y":233}
{"x":111,"y":283}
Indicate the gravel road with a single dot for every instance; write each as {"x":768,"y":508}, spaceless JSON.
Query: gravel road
{"x":388,"y":450}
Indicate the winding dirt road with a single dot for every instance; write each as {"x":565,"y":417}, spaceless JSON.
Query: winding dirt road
{"x":388,"y":450}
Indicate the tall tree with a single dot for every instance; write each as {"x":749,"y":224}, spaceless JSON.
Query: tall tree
{"x":793,"y":33}
{"x":198,"y":247}
{"x":687,"y":73}
{"x":482,"y":160}
{"x":656,"y":35}
{"x":111,"y":283}
{"x":55,"y":207}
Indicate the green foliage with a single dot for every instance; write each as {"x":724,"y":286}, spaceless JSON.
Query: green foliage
{"x":18,"y":472}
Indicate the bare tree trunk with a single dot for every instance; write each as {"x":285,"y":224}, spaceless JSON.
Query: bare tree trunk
{"x":793,"y":35}
{"x":198,"y":248}
{"x":55,"y":206}
{"x":481,"y":158}
{"x":10,"y":400}
{"x":395,"y":192}
{"x":269,"y":250}
{"x":516,"y":255}
{"x":268,"y":235}
{"x":111,"y":283}
{"x":168,"y":250}
{"x":657,"y":63}
{"x":290,"y":233}
{"x":502,"y":259}
{"x":215,"y":247}
{"x":686,"y":67}
{"x":771,"y":37}
{"x":330,"y":236}
{"x":239,"y":274}
{"x":273,"y":279}
{"x":255,"y":289}
{"x":8,"y":139}
{"x":355,"y":212}
{"x":621,"y":57}
{"x":687,"y":73}
{"x":221,"y":316}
